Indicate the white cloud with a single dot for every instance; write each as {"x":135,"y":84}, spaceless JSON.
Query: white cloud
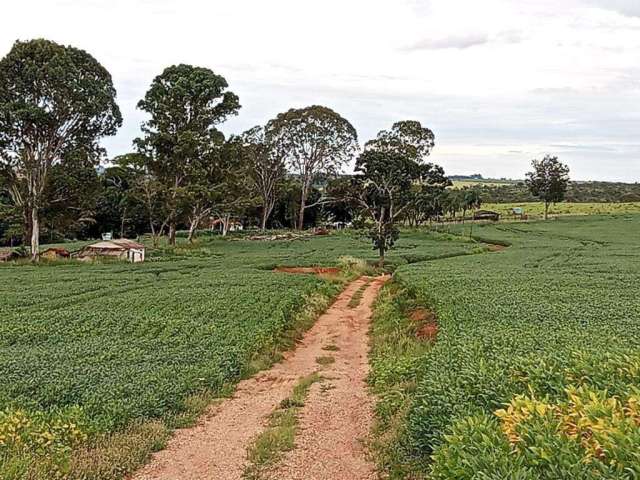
{"x":499,"y":81}
{"x":455,"y":41}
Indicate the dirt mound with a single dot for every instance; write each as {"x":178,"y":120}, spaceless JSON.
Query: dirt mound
{"x":495,"y":247}
{"x":426,"y":322}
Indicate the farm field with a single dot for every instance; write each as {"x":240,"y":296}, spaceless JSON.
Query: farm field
{"x":536,"y":209}
{"x":536,"y":367}
{"x":98,"y":362}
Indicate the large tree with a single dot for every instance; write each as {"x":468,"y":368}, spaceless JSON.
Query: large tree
{"x":266,"y":170}
{"x":54,"y":100}
{"x":392,"y":179}
{"x":311,"y":141}
{"x":185,"y":103}
{"x":548,"y":181}
{"x":407,"y":137}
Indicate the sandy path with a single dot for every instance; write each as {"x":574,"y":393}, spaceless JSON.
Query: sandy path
{"x":338,"y":414}
{"x":215,"y":449}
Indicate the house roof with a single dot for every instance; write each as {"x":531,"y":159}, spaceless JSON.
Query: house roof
{"x":121,"y":244}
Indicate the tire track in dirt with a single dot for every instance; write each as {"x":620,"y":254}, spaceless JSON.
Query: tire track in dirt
{"x":215,"y":449}
{"x":338,"y":414}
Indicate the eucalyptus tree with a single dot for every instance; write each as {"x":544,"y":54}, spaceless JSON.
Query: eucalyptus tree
{"x":311,"y":141}
{"x":392,"y":179}
{"x":54,"y":100}
{"x":548,"y":181}
{"x":266,"y":170}
{"x":185,"y":104}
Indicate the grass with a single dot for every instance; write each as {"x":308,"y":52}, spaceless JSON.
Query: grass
{"x":555,"y":314}
{"x":325,"y":360}
{"x":357,"y":296}
{"x":279,"y":436}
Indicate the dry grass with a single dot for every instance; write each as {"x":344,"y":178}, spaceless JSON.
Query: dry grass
{"x":279,"y":436}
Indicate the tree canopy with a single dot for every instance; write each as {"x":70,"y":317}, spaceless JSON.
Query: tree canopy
{"x":548,"y":181}
{"x":311,"y":141}
{"x":185,"y":103}
{"x":54,"y":100}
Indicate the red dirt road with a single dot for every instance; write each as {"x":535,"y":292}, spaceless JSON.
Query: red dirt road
{"x":336,"y":418}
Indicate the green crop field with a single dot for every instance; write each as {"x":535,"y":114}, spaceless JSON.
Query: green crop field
{"x":98,"y":361}
{"x":536,"y":367}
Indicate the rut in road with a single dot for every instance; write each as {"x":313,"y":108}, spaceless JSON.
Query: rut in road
{"x":335,"y":420}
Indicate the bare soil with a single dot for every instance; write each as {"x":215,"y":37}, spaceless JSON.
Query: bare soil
{"x":309,"y":270}
{"x":426,"y":324}
{"x":336,"y":418}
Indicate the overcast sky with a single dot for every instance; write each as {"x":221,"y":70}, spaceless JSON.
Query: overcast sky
{"x":500,"y":82}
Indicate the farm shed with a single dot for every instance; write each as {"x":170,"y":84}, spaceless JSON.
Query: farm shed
{"x":122,"y":249}
{"x":486,"y":215}
{"x":55,"y":253}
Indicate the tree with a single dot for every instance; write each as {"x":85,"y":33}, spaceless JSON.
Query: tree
{"x":392,"y":179}
{"x":471,"y":200}
{"x":548,"y":181}
{"x":54,"y":99}
{"x":266,"y":170}
{"x":311,"y":141}
{"x":408,"y":138}
{"x":185,"y":103}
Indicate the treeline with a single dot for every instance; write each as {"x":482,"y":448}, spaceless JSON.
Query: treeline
{"x":578,"y":192}
{"x":58,"y":102}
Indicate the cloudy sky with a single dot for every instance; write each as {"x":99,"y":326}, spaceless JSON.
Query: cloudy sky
{"x":499,"y":81}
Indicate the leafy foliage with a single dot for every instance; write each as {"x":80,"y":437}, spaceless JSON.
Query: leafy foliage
{"x":312,"y":141}
{"x":55,"y":102}
{"x":548,"y":319}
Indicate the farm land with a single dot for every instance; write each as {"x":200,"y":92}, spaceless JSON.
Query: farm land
{"x":530,"y":369}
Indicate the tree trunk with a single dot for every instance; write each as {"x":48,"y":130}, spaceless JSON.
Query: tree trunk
{"x":172,"y":234}
{"x":303,"y":202}
{"x":546,"y":210}
{"x":263,"y":222}
{"x":225,"y":224}
{"x":35,"y":234}
{"x":122,"y":222}
{"x":381,"y":250}
{"x":193,"y":226}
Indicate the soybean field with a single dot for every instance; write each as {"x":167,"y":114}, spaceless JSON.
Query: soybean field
{"x":536,"y":367}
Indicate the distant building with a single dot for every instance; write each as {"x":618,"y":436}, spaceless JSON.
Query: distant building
{"x":122,"y":249}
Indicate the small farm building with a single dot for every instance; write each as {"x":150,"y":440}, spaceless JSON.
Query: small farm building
{"x":55,"y":253}
{"x":122,"y":249}
{"x":486,"y":215}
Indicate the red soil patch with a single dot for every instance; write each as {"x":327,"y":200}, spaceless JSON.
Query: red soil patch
{"x":427,"y":324}
{"x":496,"y":248}
{"x":310,"y":270}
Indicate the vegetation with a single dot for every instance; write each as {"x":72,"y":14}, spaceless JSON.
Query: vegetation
{"x":548,"y":181}
{"x":515,"y":387}
{"x":577,"y":192}
{"x":91,"y":353}
{"x":391,"y":180}
{"x":279,"y":436}
{"x":56,"y":102}
{"x":312,"y":141}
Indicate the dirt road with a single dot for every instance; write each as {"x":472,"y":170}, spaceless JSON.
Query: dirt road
{"x":335,"y":419}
